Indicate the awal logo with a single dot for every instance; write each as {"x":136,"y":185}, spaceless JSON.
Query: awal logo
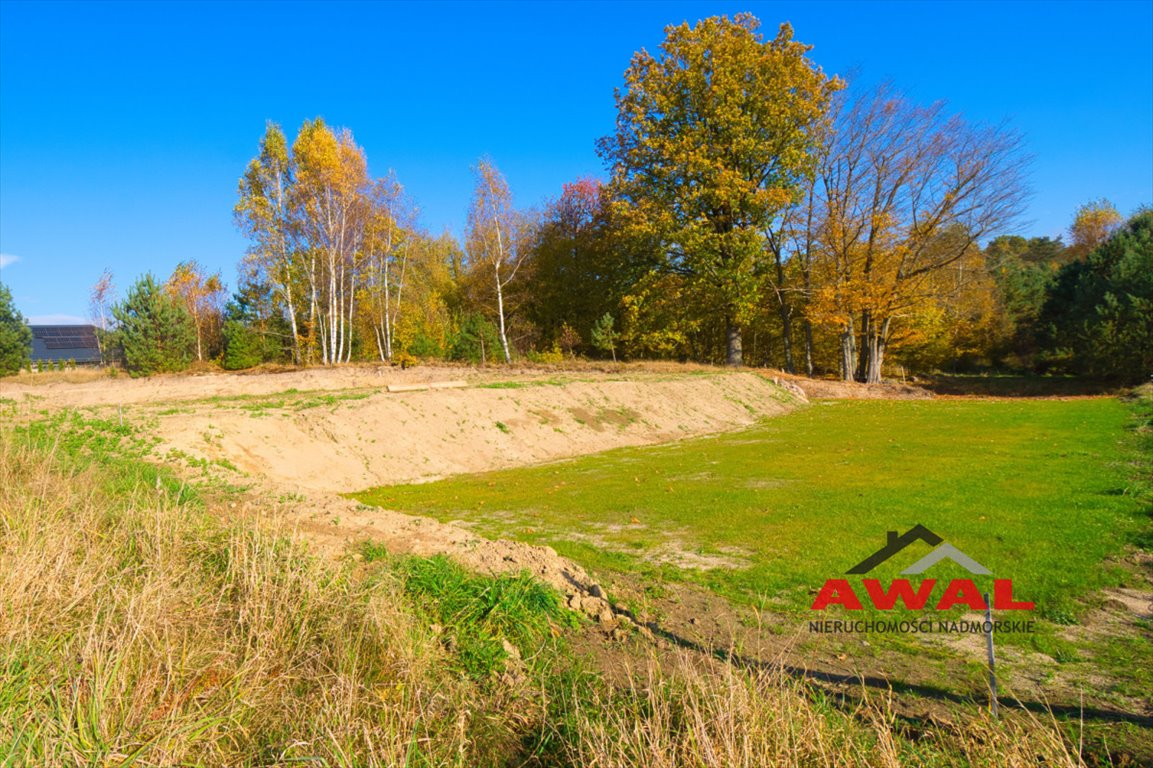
{"x":957,"y":592}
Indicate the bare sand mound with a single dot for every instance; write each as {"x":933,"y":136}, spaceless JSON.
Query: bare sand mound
{"x":354,"y":440}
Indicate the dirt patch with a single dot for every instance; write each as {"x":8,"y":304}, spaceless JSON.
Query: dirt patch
{"x":602,"y":418}
{"x":1138,"y":602}
{"x":669,"y":551}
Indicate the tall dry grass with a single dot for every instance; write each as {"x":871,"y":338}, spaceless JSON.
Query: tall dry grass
{"x":688,"y":713}
{"x":136,"y":631}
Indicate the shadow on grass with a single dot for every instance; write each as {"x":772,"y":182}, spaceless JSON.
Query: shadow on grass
{"x":840,"y":685}
{"x":1019,"y":386}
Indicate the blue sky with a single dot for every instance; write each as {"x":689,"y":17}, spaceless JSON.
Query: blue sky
{"x":124,"y":127}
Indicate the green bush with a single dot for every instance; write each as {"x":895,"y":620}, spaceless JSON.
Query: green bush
{"x":423,"y":345}
{"x":475,"y":341}
{"x":242,"y":347}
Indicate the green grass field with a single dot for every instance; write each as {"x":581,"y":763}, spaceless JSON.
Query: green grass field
{"x":1039,"y":491}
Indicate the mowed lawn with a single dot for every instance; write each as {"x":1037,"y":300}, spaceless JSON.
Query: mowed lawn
{"x":1038,"y":491}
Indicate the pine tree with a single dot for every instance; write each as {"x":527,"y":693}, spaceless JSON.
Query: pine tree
{"x":604,"y":337}
{"x":15,"y":336}
{"x":155,"y":333}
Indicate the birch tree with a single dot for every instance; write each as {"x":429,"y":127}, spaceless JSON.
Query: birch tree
{"x":389,"y":234}
{"x":494,"y":241}
{"x":328,"y":203}
{"x":100,"y":303}
{"x":202,"y":295}
{"x":262,"y":214}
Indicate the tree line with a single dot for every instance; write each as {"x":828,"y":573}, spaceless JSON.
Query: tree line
{"x":757,"y":211}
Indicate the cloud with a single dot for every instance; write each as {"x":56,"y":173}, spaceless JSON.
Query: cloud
{"x":7,"y":260}
{"x":57,"y":320}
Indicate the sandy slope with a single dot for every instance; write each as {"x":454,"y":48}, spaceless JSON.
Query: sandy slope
{"x":339,"y":430}
{"x":411,"y":436}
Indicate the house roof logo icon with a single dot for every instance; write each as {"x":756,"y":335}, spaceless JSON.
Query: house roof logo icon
{"x":896,"y":543}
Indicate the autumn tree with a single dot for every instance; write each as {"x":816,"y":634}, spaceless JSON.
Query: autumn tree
{"x":433,"y":267}
{"x":958,"y":324}
{"x":714,"y":137}
{"x":329,"y":208}
{"x":1092,"y":225}
{"x":306,"y":210}
{"x":660,"y":319}
{"x":202,"y":295}
{"x":262,"y":214}
{"x":904,"y":192}
{"x":791,"y":241}
{"x":496,"y":240}
{"x":570,"y":262}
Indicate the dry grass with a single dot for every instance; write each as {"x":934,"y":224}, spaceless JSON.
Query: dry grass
{"x":134,"y":631}
{"x":78,"y":375}
{"x":684,"y":713}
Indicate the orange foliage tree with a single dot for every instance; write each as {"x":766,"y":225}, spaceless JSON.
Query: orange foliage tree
{"x":202,"y":295}
{"x":904,"y":192}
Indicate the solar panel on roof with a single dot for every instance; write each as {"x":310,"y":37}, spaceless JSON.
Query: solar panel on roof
{"x":65,"y":342}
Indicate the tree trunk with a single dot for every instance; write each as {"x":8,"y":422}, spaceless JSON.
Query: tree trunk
{"x":314,"y":316}
{"x":864,"y":347}
{"x":296,"y":358}
{"x":733,"y":355}
{"x":848,"y":352}
{"x":387,"y":325}
{"x":808,"y":348}
{"x":786,"y":313}
{"x":875,"y":353}
{"x":351,"y":312}
{"x":500,"y":313}
{"x":787,"y":337}
{"x":877,"y":338}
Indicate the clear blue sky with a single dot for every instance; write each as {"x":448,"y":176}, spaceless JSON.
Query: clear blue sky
{"x":124,"y":127}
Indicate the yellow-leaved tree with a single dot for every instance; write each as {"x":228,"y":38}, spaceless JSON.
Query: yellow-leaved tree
{"x":329,"y":202}
{"x":715,"y":137}
{"x":202,"y":295}
{"x":1093,"y":224}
